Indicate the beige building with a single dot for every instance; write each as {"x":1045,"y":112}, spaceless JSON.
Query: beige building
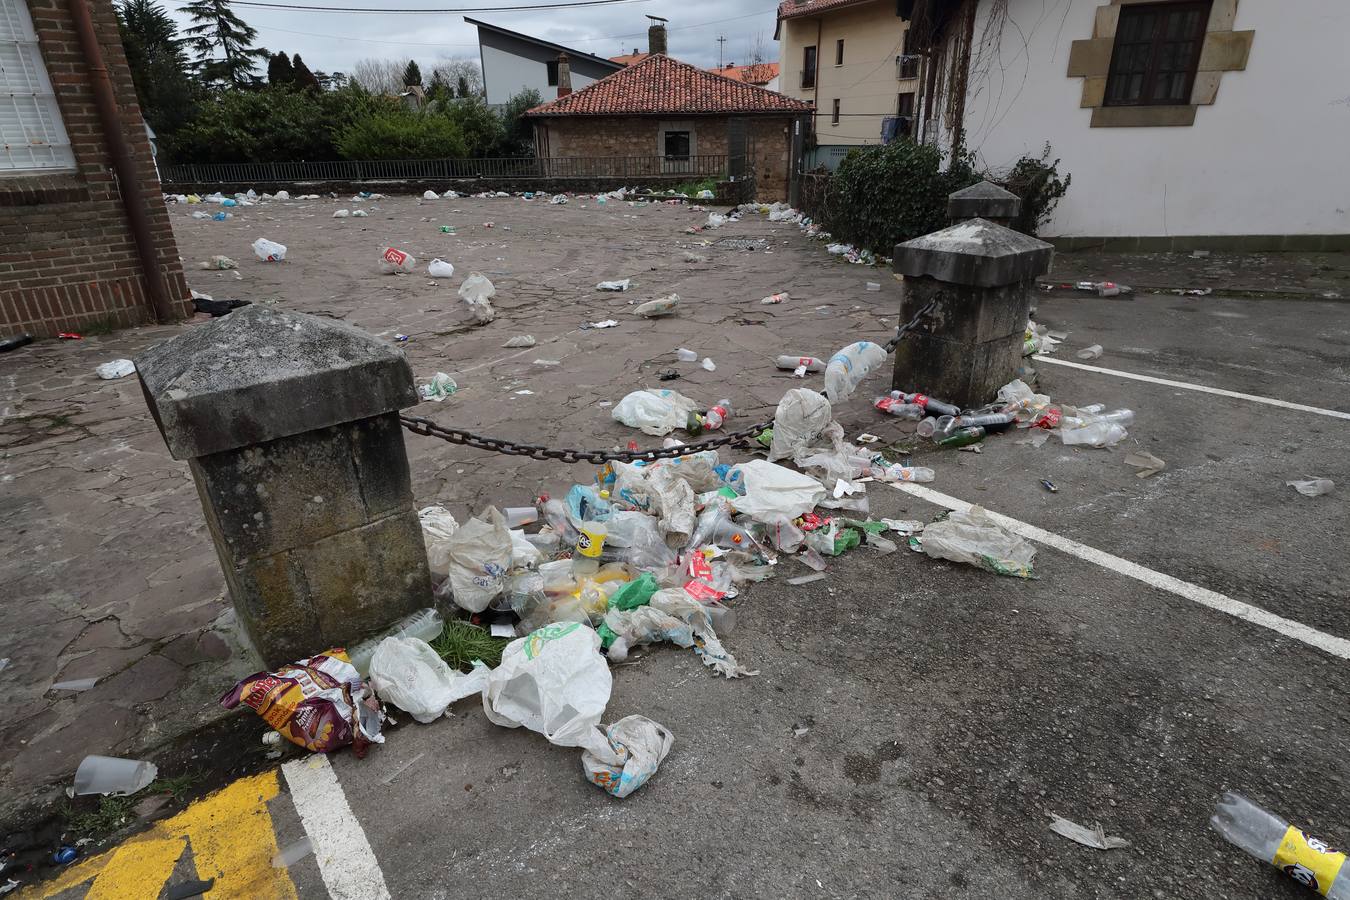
{"x":850,"y":60}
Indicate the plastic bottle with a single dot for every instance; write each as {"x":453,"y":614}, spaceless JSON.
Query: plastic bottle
{"x":927,"y":428}
{"x":717,"y":415}
{"x":928,"y":403}
{"x":963,"y":437}
{"x":425,"y":624}
{"x":789,"y":363}
{"x":897,"y":472}
{"x":849,"y":366}
{"x":516,"y":516}
{"x":1266,"y":836}
{"x":1096,"y":434}
{"x":992,"y":422}
{"x":684,"y":355}
{"x":899,"y":408}
{"x":591,"y":540}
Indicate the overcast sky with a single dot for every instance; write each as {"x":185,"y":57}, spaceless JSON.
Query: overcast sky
{"x":335,"y":41}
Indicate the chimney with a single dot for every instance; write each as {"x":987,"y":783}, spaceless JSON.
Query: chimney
{"x":656,"y":36}
{"x":564,"y":76}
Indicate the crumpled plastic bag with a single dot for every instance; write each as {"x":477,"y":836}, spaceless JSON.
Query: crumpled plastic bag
{"x":479,"y":560}
{"x":554,"y":682}
{"x":801,"y":416}
{"x":406,"y":672}
{"x":440,"y":387}
{"x":699,"y":469}
{"x":524,"y":555}
{"x":637,"y":745}
{"x":661,"y":306}
{"x":775,"y":494}
{"x":640,"y":538}
{"x":621,"y":285}
{"x":655,"y":412}
{"x":315,"y":703}
{"x":1312,"y":487}
{"x":394,"y":260}
{"x":269,"y":251}
{"x":439,"y":268}
{"x":476,"y":291}
{"x":974,"y":538}
{"x":118,"y":368}
{"x":671,"y":615}
{"x":438,"y":526}
{"x":675,"y":500}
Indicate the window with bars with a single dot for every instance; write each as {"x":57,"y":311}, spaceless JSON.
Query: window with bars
{"x":32,"y":136}
{"x":1156,"y":53}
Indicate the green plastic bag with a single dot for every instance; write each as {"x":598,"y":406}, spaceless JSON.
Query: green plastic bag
{"x":635,"y":593}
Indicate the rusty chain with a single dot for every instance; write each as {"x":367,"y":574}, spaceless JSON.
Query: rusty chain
{"x":742,"y":438}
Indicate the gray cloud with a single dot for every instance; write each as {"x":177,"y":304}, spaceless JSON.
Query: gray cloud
{"x":335,"y":41}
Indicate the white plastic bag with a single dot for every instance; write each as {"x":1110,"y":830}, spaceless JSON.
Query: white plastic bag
{"x":801,"y":416}
{"x":974,"y":538}
{"x":637,"y":745}
{"x":775,"y":494}
{"x":438,"y":526}
{"x":479,"y":558}
{"x":430,"y":195}
{"x":614,"y":285}
{"x":655,"y":412}
{"x":476,"y":291}
{"x":394,"y":260}
{"x":661,"y":306}
{"x":269,"y":251}
{"x":850,"y":366}
{"x":115,"y":369}
{"x":439,"y":268}
{"x":406,"y":672}
{"x":552,"y":681}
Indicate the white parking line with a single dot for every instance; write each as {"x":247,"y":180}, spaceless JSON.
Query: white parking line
{"x":346,"y":862}
{"x":1336,"y":646}
{"x":1269,"y":401}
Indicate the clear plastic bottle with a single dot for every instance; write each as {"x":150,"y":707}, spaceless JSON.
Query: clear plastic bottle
{"x":795,"y":362}
{"x":897,"y":472}
{"x":1093,"y":433}
{"x":849,"y":366}
{"x":1266,"y":836}
{"x":899,"y":408}
{"x":927,"y":428}
{"x":928,"y":403}
{"x":717,"y":415}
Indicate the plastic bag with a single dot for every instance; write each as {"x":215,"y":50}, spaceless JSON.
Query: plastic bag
{"x":440,"y":387}
{"x":314,"y":702}
{"x":439,"y":268}
{"x":406,"y":672}
{"x":479,"y":559}
{"x":637,"y":745}
{"x":973,"y":537}
{"x":655,"y":412}
{"x":438,"y":526}
{"x":622,"y":285}
{"x":118,"y":368}
{"x":269,"y":251}
{"x":662,"y":306}
{"x":393,"y":260}
{"x":476,"y":291}
{"x":675,"y":500}
{"x":801,"y":416}
{"x":850,"y":366}
{"x":552,"y":681}
{"x":430,"y":195}
{"x":775,"y":494}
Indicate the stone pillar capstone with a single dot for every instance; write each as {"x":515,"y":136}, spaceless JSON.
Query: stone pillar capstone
{"x":984,"y":200}
{"x":981,"y":275}
{"x":289,"y":424}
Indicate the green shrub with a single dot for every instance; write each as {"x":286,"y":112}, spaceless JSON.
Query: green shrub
{"x":1036,"y":180}
{"x":882,"y":195}
{"x":402,"y":135}
{"x":517,"y":137}
{"x":480,"y":126}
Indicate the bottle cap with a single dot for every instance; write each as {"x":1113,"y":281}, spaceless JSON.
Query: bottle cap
{"x":604,"y":495}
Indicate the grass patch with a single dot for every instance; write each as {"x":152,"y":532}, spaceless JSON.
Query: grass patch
{"x":460,"y":644}
{"x":691,"y":188}
{"x":113,"y":812}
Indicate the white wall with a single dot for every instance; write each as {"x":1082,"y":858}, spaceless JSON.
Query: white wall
{"x":1269,"y":157}
{"x":506,"y":74}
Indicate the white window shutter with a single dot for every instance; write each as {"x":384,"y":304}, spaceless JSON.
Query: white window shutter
{"x":33,"y":138}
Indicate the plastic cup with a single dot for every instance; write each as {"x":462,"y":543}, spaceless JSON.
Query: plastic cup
{"x":112,"y":775}
{"x":516,"y":516}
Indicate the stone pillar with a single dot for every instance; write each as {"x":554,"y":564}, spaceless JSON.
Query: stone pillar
{"x":984,"y":201}
{"x":290,"y":426}
{"x":981,"y":276}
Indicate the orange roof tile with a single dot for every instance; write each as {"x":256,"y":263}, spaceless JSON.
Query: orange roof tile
{"x":629,"y":59}
{"x":789,"y":9}
{"x":663,"y":86}
{"x":755,"y":73}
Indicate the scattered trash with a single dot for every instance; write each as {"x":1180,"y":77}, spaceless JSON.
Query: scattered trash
{"x":65,"y":856}
{"x":873,"y":286}
{"x":850,"y":366}
{"x":1313,"y":487}
{"x":218,"y":263}
{"x":903,"y":526}
{"x":1049,"y":485}
{"x":269,"y":251}
{"x":776,"y":298}
{"x":806,"y":579}
{"x":801,"y":730}
{"x":548,"y":362}
{"x":1093,"y":352}
{"x":394,"y":261}
{"x":655,"y":412}
{"x":14,"y":343}
{"x":708,"y":365}
{"x":1146,"y":462}
{"x":1093,"y":837}
{"x":479,"y":558}
{"x":439,"y":268}
{"x":614,"y":285}
{"x":359,"y":214}
{"x":1199,"y":254}
{"x":440,"y":387}
{"x":521,"y":340}
{"x":293,"y":853}
{"x":406,"y":672}
{"x":341,"y":213}
{"x":684,"y":355}
{"x":118,"y":368}
{"x":476,"y":291}
{"x":662,"y":306}
{"x":800,"y":365}
{"x":775,"y":494}
{"x":800,"y":418}
{"x":401,"y":338}
{"x":637,"y":746}
{"x":1310,"y":861}
{"x":974,"y":538}
{"x":68,"y":336}
{"x":113,"y":776}
{"x":77,"y":685}
{"x":430,"y":195}
{"x":204,"y":303}
{"x":607,"y":323}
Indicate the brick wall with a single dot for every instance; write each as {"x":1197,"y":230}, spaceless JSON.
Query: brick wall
{"x":67,"y":257}
{"x":632,"y":136}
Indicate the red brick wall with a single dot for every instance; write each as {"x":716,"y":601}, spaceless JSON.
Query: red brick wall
{"x":588,"y":136}
{"x":67,"y":258}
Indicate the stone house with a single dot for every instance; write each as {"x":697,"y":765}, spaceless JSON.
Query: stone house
{"x":664,"y":117}
{"x":84,"y":235}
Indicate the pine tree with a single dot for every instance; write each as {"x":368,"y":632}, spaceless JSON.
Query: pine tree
{"x":464,"y":86}
{"x":304,"y":78}
{"x":412,"y":76}
{"x":159,"y":68}
{"x":280,"y":71}
{"x":216,"y":28}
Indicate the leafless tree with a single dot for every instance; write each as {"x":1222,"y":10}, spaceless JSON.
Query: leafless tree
{"x":460,"y":72}
{"x":757,"y":51}
{"x":379,"y":76}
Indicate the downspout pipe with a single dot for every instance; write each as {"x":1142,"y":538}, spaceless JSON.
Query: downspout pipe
{"x":128,"y":183}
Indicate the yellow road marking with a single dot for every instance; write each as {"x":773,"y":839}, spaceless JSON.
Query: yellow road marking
{"x":230,"y":833}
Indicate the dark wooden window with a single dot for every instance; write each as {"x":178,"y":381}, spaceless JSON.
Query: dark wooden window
{"x":808,"y":67}
{"x":834,"y":115}
{"x":552,"y":66}
{"x":677,"y":145}
{"x":1156,"y":53}
{"x":904,"y":104}
{"x":839,"y":52}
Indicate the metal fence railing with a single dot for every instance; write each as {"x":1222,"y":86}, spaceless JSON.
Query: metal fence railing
{"x":432,"y":169}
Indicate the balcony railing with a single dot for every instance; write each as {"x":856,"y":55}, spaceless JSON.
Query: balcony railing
{"x":907,"y":66}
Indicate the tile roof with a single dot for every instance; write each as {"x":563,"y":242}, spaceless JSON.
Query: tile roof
{"x":755,"y":73}
{"x":790,"y":9}
{"x":629,"y":59}
{"x":660,"y":85}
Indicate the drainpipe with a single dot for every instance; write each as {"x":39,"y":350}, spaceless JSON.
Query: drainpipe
{"x":133,"y":199}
